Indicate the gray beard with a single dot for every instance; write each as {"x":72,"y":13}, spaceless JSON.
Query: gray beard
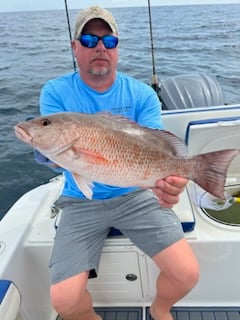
{"x":102,"y":72}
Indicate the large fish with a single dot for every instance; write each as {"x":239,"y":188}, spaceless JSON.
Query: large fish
{"x":113,"y":150}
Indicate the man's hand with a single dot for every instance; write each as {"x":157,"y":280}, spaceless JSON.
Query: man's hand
{"x":169,"y":189}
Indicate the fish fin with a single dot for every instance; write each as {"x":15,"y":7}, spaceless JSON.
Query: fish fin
{"x":212,"y":170}
{"x":158,"y":138}
{"x":172,"y":144}
{"x":84,"y":185}
{"x":90,"y":156}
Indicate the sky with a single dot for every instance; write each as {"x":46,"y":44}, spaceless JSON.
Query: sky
{"x":24,"y":5}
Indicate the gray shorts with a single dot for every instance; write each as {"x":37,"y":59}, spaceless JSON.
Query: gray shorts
{"x":85,"y":224}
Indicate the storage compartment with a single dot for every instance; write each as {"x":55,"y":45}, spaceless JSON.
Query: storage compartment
{"x":211,"y":135}
{"x":229,"y":216}
{"x":121,"y":277}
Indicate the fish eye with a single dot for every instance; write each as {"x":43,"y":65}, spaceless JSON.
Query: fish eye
{"x":45,"y":122}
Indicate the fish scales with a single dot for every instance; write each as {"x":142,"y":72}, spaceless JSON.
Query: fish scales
{"x":133,"y":161}
{"x":113,"y":150}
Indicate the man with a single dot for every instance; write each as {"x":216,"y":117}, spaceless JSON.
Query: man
{"x":145,"y":218}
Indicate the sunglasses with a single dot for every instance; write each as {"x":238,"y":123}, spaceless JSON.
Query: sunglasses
{"x":91,"y":41}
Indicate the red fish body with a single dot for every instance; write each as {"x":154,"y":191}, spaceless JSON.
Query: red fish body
{"x":113,"y":150}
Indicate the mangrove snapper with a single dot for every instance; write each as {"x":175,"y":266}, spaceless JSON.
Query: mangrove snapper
{"x":111,"y":149}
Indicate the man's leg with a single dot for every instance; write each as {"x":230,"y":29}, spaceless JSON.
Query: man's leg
{"x":77,"y":248}
{"x":71,"y":300}
{"x":179,"y":274}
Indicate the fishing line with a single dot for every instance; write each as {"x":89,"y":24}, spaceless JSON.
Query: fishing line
{"x":70,"y":36}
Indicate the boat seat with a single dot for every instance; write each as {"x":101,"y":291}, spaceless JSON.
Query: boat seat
{"x":10,"y":301}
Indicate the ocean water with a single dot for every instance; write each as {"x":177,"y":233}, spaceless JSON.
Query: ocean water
{"x":35,"y":47}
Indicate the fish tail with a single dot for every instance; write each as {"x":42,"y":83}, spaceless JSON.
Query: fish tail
{"x":211,"y":170}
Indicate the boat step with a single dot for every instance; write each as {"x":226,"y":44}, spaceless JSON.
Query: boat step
{"x":178,"y":313}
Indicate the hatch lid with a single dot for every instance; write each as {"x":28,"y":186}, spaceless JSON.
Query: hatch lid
{"x":215,"y":134}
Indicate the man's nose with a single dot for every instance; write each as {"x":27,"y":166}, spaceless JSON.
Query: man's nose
{"x":100,"y":45}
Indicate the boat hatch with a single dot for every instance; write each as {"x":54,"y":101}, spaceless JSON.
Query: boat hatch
{"x":231,"y":215}
{"x":216,"y":134}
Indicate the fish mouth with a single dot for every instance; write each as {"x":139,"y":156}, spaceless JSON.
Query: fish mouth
{"x":22,"y":134}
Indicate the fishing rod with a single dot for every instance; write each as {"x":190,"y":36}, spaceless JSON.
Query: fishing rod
{"x":70,"y":35}
{"x":155,"y":83}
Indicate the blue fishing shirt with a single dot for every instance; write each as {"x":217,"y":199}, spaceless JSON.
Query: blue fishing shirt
{"x":127,"y":96}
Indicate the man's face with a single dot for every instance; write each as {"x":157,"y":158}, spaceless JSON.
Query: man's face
{"x":97,"y":61}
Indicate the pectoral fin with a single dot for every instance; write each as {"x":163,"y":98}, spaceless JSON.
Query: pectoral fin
{"x":90,"y":156}
{"x":84,"y":185}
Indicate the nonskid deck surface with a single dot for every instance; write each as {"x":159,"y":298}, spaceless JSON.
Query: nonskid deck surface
{"x":203,"y":313}
{"x":179,"y":313}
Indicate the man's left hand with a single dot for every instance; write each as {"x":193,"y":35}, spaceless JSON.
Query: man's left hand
{"x":168,"y":190}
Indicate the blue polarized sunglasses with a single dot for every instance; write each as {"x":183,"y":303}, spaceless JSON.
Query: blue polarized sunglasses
{"x":91,"y":41}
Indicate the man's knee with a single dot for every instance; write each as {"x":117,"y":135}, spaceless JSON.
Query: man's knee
{"x":184,"y":280}
{"x":191,"y":276}
{"x":179,"y":265}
